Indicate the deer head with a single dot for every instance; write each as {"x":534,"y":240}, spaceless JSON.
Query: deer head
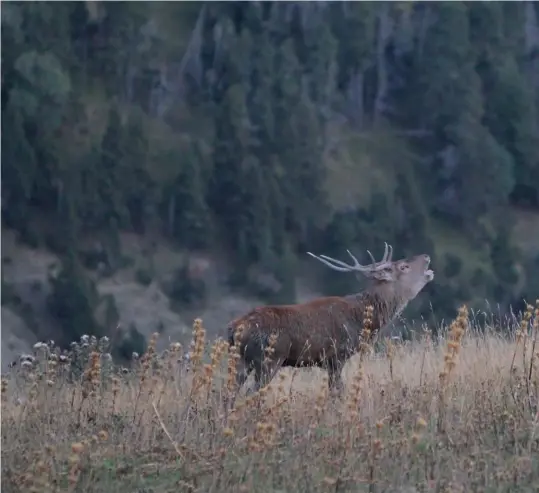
{"x":410,"y":274}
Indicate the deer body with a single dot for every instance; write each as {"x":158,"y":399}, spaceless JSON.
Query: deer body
{"x":326,"y":332}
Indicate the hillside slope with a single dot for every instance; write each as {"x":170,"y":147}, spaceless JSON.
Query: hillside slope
{"x":26,"y":317}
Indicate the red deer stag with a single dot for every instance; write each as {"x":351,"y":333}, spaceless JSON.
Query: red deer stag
{"x":325,"y":332}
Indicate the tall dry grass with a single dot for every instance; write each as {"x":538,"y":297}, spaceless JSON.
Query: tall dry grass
{"x":458,"y":414}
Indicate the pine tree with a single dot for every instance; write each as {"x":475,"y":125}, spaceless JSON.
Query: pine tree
{"x":509,"y":116}
{"x":453,"y":109}
{"x":73,"y":300}
{"x":19,"y":169}
{"x":229,"y":188}
{"x":110,"y":175}
{"x":300,"y":140}
{"x":138,"y":189}
{"x":192,"y":227}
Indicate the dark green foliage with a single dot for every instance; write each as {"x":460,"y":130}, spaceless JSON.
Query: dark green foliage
{"x":93,"y":258}
{"x":9,"y":294}
{"x":285,"y":274}
{"x":143,"y":276}
{"x":340,"y":235}
{"x":532,"y":285}
{"x":502,"y":255}
{"x":111,"y":317}
{"x":19,"y":165}
{"x":354,"y":26}
{"x":132,"y":342}
{"x":73,"y":300}
{"x":230,"y":192}
{"x":453,"y":266}
{"x":216,"y":125}
{"x":109,"y":176}
{"x":138,"y":187}
{"x":184,"y":290}
{"x":192,"y":225}
{"x":478,"y":278}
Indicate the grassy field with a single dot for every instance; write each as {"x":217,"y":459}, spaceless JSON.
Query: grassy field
{"x":456,"y":414}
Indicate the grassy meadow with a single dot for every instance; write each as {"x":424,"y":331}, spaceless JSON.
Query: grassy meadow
{"x":454,"y":414}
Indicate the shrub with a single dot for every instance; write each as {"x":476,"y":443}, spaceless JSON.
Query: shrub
{"x":143,"y":276}
{"x":184,"y":290}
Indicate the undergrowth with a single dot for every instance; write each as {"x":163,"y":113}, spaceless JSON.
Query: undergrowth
{"x":455,"y":415}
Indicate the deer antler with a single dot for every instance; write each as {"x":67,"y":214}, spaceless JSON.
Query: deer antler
{"x":340,"y":266}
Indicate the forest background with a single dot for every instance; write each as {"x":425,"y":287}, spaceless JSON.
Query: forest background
{"x":166,"y":160}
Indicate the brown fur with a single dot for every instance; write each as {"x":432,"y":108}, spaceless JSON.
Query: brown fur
{"x":326,"y":331}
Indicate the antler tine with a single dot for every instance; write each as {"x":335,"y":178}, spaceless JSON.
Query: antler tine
{"x":389,"y":259}
{"x":356,"y":262}
{"x":327,"y":261}
{"x":356,"y":265}
{"x":384,"y":258}
{"x":372,"y":258}
{"x":341,"y":266}
{"x":388,"y":255}
{"x":341,"y":263}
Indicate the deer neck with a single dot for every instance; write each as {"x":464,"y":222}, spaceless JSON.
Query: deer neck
{"x":387,"y":300}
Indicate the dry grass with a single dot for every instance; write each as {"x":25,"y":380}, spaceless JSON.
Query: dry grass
{"x":453,"y":415}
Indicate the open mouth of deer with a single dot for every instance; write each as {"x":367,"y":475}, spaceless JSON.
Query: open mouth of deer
{"x":429,"y":274}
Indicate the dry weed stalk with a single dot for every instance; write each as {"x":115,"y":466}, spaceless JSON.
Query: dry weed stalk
{"x":145,"y":369}
{"x":232,"y":368}
{"x":532,"y":384}
{"x":390,"y":355}
{"x":197,"y":353}
{"x":352,"y":417}
{"x":457,"y":329}
{"x":523,"y":379}
{"x":320,"y":404}
{"x":522,"y":333}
